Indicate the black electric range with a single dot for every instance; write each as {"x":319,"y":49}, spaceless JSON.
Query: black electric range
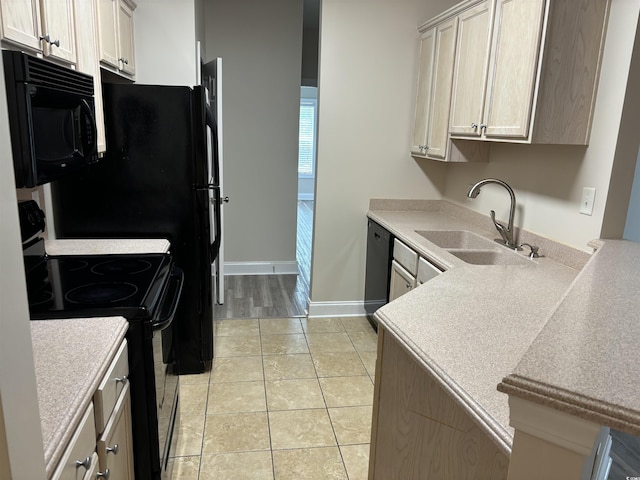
{"x":99,"y":285}
{"x":143,"y":288}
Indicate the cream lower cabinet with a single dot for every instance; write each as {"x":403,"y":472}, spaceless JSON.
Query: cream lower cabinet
{"x":535,"y":82}
{"x":418,"y":430}
{"x":101,"y":447}
{"x":115,"y":449}
{"x":401,"y":281}
{"x":45,"y":26}
{"x":408,"y":270}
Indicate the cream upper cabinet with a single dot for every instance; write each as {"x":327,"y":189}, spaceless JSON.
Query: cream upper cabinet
{"x":423,"y":96}
{"x":438,"y":123}
{"x":431,"y":125}
{"x":21,"y":22}
{"x":515,"y":62}
{"x":108,"y":31}
{"x":537,"y":81}
{"x":115,"y":25}
{"x":125,"y":25}
{"x":88,"y":60}
{"x":58,"y":29}
{"x":472,"y":60}
{"x":45,"y":26}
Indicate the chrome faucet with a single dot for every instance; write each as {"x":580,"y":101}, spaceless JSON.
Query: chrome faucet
{"x":506,"y":232}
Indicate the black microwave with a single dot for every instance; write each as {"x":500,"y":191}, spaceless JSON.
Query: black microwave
{"x":51,"y":118}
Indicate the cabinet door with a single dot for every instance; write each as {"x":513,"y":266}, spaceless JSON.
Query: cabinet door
{"x":423,"y":97}
{"x":88,"y":59}
{"x":78,"y":458}
{"x":21,"y":22}
{"x":515,"y":63}
{"x":438,"y":123}
{"x":115,"y":448}
{"x":58,"y":24}
{"x":108,"y":28}
{"x":127,"y":51}
{"x":401,"y":281}
{"x":472,"y":60}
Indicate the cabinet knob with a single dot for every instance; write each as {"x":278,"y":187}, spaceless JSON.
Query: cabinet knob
{"x":46,"y":38}
{"x":124,"y":60}
{"x":106,"y":474}
{"x":474,"y":125}
{"x":122,"y":379}
{"x":224,"y":199}
{"x":86,"y":463}
{"x":483,"y":126}
{"x":56,"y":43}
{"x":113,"y":449}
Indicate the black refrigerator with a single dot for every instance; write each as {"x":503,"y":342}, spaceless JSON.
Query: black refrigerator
{"x":155,"y":181}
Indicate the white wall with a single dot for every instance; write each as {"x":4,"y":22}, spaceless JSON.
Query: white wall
{"x":165,"y":42}
{"x":367,"y":70}
{"x":632,"y":227}
{"x":20,"y":432}
{"x":260,"y":44}
{"x":548,"y":180}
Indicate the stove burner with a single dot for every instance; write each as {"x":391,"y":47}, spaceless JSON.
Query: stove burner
{"x":42,"y":297}
{"x":73,"y":264}
{"x":121,"y":266}
{"x":100,"y":293}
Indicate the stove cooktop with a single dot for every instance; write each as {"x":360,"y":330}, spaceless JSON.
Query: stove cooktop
{"x":97,"y":285}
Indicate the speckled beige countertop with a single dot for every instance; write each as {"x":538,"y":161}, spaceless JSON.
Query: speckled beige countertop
{"x":103,"y":246}
{"x":470,"y":326}
{"x":584,"y":362}
{"x":70,"y":357}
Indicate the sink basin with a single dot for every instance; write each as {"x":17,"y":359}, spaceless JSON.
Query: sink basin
{"x":462,"y":239}
{"x":490,"y":257}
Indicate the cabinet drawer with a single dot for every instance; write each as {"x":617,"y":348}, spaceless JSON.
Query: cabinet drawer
{"x":115,"y":444}
{"x":405,"y":257}
{"x":113,"y":383}
{"x":81,"y":446}
{"x":427,"y":270}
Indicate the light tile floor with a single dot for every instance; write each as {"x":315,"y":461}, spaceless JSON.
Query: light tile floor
{"x":286,"y":398}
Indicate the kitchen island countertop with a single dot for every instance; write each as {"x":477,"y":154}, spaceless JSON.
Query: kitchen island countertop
{"x":71,"y":356}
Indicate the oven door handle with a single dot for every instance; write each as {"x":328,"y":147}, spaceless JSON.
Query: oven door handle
{"x":176,"y":282}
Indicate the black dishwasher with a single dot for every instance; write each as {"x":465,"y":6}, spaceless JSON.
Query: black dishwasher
{"x":378,"y":269}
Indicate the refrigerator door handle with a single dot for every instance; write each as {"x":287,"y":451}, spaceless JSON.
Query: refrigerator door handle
{"x":208,"y":186}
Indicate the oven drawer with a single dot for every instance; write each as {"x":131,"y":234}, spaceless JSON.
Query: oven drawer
{"x":111,"y":386}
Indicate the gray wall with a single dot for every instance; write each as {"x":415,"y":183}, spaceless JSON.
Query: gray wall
{"x":367,"y":71}
{"x":260,"y":44}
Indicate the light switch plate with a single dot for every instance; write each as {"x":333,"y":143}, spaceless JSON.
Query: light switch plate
{"x":588,"y":197}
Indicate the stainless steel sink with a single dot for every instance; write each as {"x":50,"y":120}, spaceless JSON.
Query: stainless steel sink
{"x":456,"y":239}
{"x":490,"y":257}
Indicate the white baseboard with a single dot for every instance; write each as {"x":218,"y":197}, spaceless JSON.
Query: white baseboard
{"x":261,"y":268}
{"x":306,"y":196}
{"x":336,"y":309}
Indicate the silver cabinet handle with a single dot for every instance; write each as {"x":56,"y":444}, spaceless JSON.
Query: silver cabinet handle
{"x":124,"y":60}
{"x":123,"y":379}
{"x":46,"y":38}
{"x":86,"y":463}
{"x":483,"y":126}
{"x":224,"y":199}
{"x":56,"y":43}
{"x":106,"y":474}
{"x":113,"y":449}
{"x":474,"y":125}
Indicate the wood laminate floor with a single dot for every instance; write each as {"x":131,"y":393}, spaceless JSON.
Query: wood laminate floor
{"x":265,"y":296}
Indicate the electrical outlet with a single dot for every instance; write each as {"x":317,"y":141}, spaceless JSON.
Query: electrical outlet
{"x":588,"y":197}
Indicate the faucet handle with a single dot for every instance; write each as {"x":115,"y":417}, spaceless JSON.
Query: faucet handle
{"x":534,"y":249}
